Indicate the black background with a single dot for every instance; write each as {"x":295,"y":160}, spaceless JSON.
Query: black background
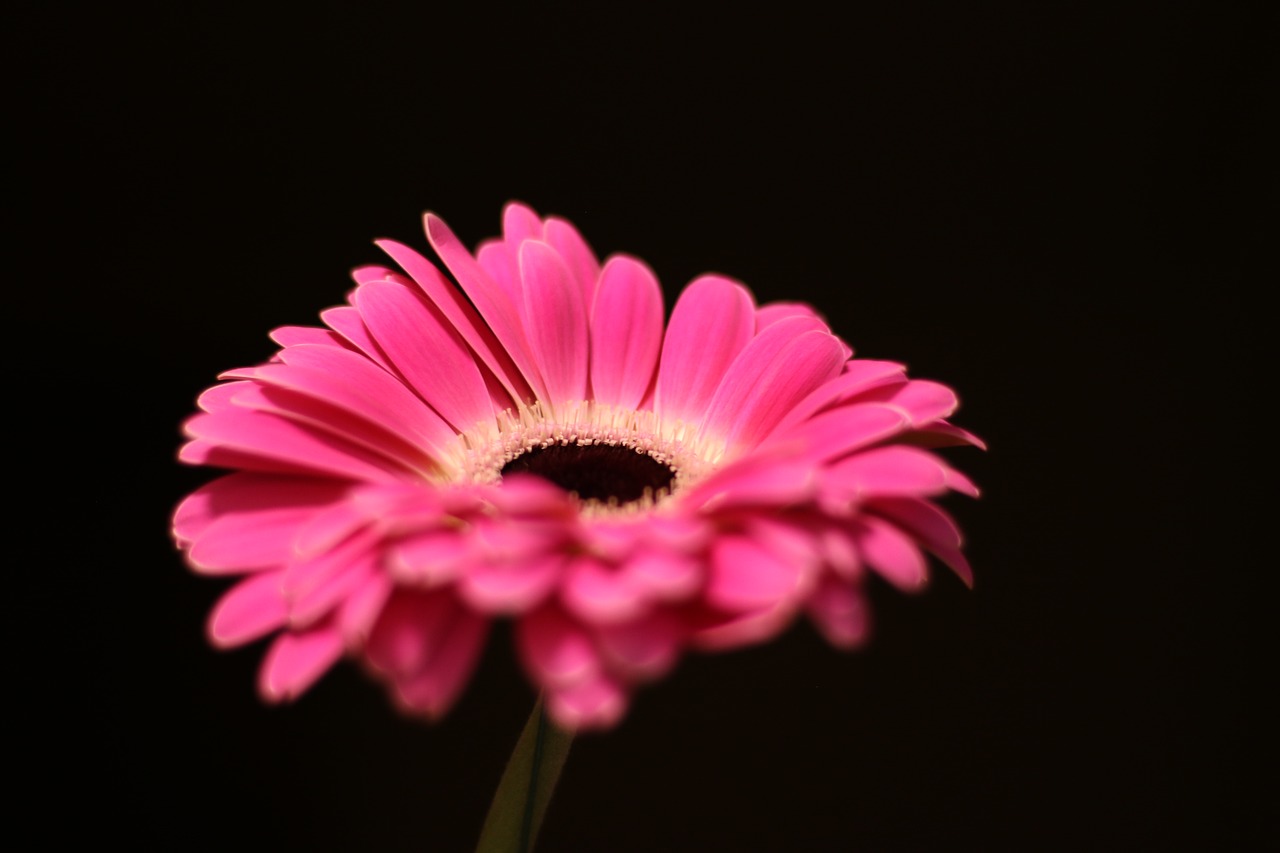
{"x":1048,"y":207}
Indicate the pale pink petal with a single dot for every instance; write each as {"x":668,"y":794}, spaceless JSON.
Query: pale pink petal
{"x":276,"y":438}
{"x":555,"y":650}
{"x":644,"y":648}
{"x":626,"y":332}
{"x":556,"y":322}
{"x":746,"y":576}
{"x":891,"y":553}
{"x":598,"y":593}
{"x":296,"y":659}
{"x":482,"y":340}
{"x":712,"y":321}
{"x":777,"y":369}
{"x":840,"y":612}
{"x":426,"y":350}
{"x":251,"y":609}
{"x":595,"y":703}
{"x":436,"y":686}
{"x":514,"y":587}
{"x":500,"y":313}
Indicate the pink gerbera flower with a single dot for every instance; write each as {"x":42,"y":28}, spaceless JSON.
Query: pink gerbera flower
{"x":544,"y":449}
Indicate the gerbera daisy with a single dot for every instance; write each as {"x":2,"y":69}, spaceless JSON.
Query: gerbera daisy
{"x":545,"y":449}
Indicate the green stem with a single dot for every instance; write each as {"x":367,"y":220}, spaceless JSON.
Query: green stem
{"x":515,"y":816}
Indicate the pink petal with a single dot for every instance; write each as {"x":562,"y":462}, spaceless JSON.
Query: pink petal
{"x":839,"y":612}
{"x":435,"y":687}
{"x":426,"y":350}
{"x":251,"y":609}
{"x":662,"y":575}
{"x":511,"y":587}
{"x":891,"y":472}
{"x":755,"y":481}
{"x":220,"y":397}
{"x":276,"y":438}
{"x":248,"y":497}
{"x":943,"y":434}
{"x":642,"y":649}
{"x":500,"y":313}
{"x":935,"y":529}
{"x":746,"y":576}
{"x":520,"y":223}
{"x":596,"y":703}
{"x":323,"y":597}
{"x":556,"y":323}
{"x":892,"y":554}
{"x":460,"y":313}
{"x":577,"y":255}
{"x":362,"y":608}
{"x":598,"y":593}
{"x":746,"y":629}
{"x":430,"y":559}
{"x":295,"y":660}
{"x":839,"y":432}
{"x":555,"y":650}
{"x":712,"y":321}
{"x":292,"y":336}
{"x":350,"y":381}
{"x":925,"y":401}
{"x":777,"y":369}
{"x":346,"y":321}
{"x":767,"y":315}
{"x":326,"y":419}
{"x":626,"y":332}
{"x":409,"y":630}
{"x":859,"y":376}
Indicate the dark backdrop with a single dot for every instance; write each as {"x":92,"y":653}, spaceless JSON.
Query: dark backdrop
{"x":1044,"y":206}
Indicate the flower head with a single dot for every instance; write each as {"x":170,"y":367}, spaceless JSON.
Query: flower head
{"x":545,"y":449}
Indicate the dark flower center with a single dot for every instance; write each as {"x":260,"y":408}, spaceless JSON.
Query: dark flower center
{"x":595,"y":472}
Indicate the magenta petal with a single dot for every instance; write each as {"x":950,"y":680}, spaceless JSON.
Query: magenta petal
{"x":295,"y":660}
{"x":435,"y":687}
{"x":498,"y":310}
{"x":408,"y":630}
{"x":839,"y":612}
{"x":556,"y":651}
{"x":596,"y":703}
{"x":345,"y":320}
{"x":426,"y":350}
{"x":577,"y":255}
{"x":747,"y":576}
{"x":251,"y":609}
{"x":664,"y":576}
{"x":511,"y":587}
{"x":776,"y":370}
{"x":642,"y":649}
{"x":893,"y":472}
{"x":556,"y":322}
{"x":461,"y":315}
{"x":362,"y":608}
{"x":276,"y":438}
{"x":712,"y":321}
{"x":598,"y":593}
{"x":626,"y":332}
{"x":892,"y":554}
